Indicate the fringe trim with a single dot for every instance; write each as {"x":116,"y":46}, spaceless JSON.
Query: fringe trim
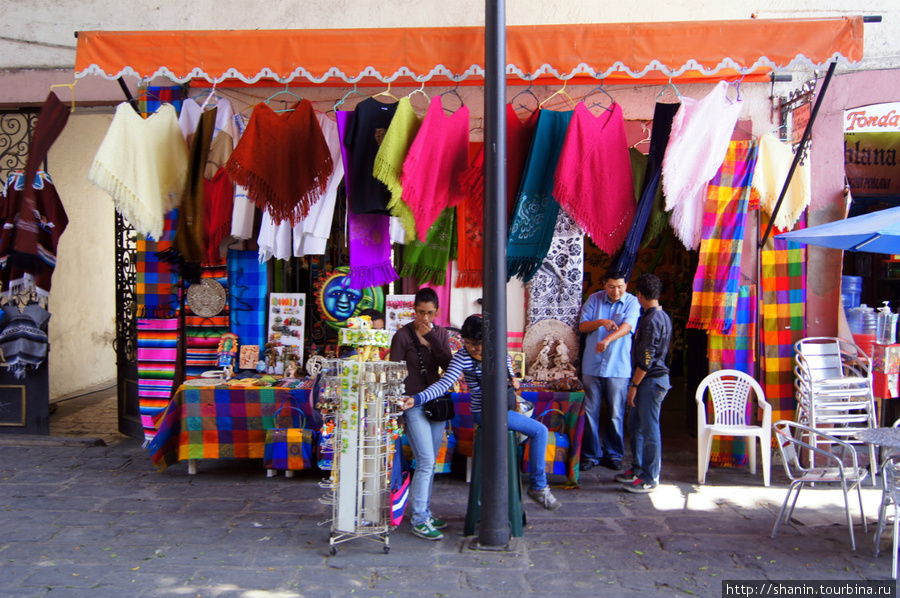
{"x":523,"y":267}
{"x":584,"y":217}
{"x":709,"y":324}
{"x":469,"y":278}
{"x":264,"y":196}
{"x":143,"y":218}
{"x":424,"y":274}
{"x":362,"y":277}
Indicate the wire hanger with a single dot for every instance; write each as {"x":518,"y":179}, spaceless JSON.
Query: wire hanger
{"x":667,"y":86}
{"x":599,"y":89}
{"x":453,"y":92}
{"x":356,"y":91}
{"x":285,"y":91}
{"x":527,"y":91}
{"x":71,"y":87}
{"x":560,"y":92}
{"x":737,"y":90}
{"x":210,"y":94}
{"x":648,"y":131}
{"x":387,"y":93}
{"x":421,"y":90}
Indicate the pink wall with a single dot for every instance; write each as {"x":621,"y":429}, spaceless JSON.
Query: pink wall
{"x":825,"y":265}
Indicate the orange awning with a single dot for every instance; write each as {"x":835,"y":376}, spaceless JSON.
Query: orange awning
{"x":558,"y":51}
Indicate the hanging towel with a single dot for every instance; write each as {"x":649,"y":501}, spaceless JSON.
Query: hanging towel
{"x":363,"y":135}
{"x":370,"y":250}
{"x":772,"y":166}
{"x":534,"y":218}
{"x":438,"y":156}
{"x":648,"y":186}
{"x":701,"y":132}
{"x":31,"y":213}
{"x":715,"y":287}
{"x":427,"y":261}
{"x":389,"y":162}
{"x":189,"y":234}
{"x":143,"y":165}
{"x":311,"y":235}
{"x":593,"y":177}
{"x":283,"y":160}
{"x":470,"y":232}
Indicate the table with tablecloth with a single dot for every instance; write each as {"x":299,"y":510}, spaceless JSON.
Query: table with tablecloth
{"x":221,"y":422}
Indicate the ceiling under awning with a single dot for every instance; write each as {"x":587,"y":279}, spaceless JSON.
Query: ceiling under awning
{"x":674,"y":49}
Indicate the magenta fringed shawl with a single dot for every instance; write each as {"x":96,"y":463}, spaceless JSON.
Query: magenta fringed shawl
{"x":593,"y":181}
{"x":436,"y":159}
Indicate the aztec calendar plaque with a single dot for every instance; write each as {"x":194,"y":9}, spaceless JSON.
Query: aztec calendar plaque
{"x":206,"y":298}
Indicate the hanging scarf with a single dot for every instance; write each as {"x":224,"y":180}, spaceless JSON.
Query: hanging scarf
{"x":218,"y":201}
{"x":714,"y":299}
{"x":189,"y":234}
{"x":283,"y":160}
{"x":389,"y":162}
{"x":427,"y":261}
{"x":592,"y":181}
{"x":534,"y":218}
{"x":143,"y":165}
{"x":772,"y":167}
{"x":701,"y":132}
{"x":470,"y":231}
{"x":648,"y":186}
{"x":556,"y":290}
{"x":370,"y":250}
{"x":438,"y":155}
{"x":32,"y":215}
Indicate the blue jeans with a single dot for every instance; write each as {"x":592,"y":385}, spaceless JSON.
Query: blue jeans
{"x":613,"y":392}
{"x":537,"y":454}
{"x":425,"y":437}
{"x":643,"y":425}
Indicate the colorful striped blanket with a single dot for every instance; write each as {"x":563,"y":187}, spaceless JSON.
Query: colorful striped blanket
{"x":157,"y":351}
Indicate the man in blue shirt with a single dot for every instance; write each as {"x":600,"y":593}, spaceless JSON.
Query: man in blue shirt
{"x":608,"y":318}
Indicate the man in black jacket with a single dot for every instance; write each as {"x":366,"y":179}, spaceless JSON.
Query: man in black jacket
{"x":649,"y":385}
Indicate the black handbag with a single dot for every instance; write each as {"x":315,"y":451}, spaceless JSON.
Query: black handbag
{"x":439,"y":409}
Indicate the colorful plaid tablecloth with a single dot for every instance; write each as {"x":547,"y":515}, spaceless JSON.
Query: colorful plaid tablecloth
{"x":221,"y":422}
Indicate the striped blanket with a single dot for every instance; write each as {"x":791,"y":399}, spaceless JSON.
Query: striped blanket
{"x":202,"y":335}
{"x":157,"y":350}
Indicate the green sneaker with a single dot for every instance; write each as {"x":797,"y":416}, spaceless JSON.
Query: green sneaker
{"x":438,"y":523}
{"x":426,"y":531}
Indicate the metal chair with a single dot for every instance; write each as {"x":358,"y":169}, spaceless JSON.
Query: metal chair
{"x":789,"y":436}
{"x":729,"y":392}
{"x":890,"y":497}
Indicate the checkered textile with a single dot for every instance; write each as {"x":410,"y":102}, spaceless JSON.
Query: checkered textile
{"x":157,"y":351}
{"x":247,"y":288}
{"x":735,"y":351}
{"x":557,"y":454}
{"x":444,"y":458}
{"x":202,"y":335}
{"x":155,"y":290}
{"x":152,"y":97}
{"x":715,"y":287}
{"x":783,"y":314}
{"x":220,"y":423}
{"x":571,"y":424}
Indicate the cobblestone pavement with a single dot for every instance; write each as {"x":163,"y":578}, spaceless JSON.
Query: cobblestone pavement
{"x":99,"y":521}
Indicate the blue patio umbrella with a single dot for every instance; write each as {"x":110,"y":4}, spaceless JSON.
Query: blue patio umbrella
{"x":877,"y":232}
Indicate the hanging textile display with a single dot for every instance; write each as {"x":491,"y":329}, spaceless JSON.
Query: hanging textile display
{"x":152,"y":97}
{"x":772,"y":167}
{"x":143,"y":165}
{"x":189,"y":233}
{"x":700,"y":136}
{"x":436,"y":159}
{"x":427,"y":262}
{"x":470,"y":227}
{"x":592,"y":182}
{"x":649,"y":186}
{"x":244,"y":211}
{"x":282,"y":160}
{"x":155,"y":281}
{"x":370,"y":250}
{"x":311,"y":234}
{"x":247,"y":288}
{"x":218,"y":202}
{"x":363,"y":136}
{"x":714,"y":299}
{"x":735,"y":351}
{"x":23,"y":337}
{"x":555,"y":291}
{"x":782,"y":319}
{"x":206,"y":323}
{"x":389,"y":162}
{"x":157,"y":351}
{"x":536,"y":211}
{"x":32,"y":214}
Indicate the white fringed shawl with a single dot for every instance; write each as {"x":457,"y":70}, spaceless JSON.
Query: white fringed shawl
{"x":772,"y":166}
{"x":701,"y":132}
{"x":143,"y":165}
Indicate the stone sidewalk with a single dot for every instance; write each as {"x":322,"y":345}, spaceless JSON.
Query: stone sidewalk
{"x":100,"y":521}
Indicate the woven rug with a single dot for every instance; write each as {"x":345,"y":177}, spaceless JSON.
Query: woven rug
{"x":157,"y":350}
{"x":555,"y":291}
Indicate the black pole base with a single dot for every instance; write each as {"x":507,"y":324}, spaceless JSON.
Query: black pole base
{"x":514,"y":545}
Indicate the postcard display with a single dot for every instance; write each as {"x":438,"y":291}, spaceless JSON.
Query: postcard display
{"x":364,"y":396}
{"x":287,"y":312}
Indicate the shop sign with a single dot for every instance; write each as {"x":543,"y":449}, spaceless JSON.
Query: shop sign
{"x":870,"y":163}
{"x":873,"y":119}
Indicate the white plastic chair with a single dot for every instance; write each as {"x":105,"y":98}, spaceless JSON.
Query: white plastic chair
{"x":789,"y":436}
{"x":889,"y":498}
{"x":729,"y":392}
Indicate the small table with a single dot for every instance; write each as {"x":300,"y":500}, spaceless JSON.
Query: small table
{"x":883,"y":437}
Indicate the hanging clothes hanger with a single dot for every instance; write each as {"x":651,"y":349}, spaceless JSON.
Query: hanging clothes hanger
{"x":71,"y":87}
{"x":420,"y":90}
{"x":598,"y":89}
{"x":527,"y":92}
{"x":560,"y":92}
{"x":737,"y":90}
{"x":452,"y":92}
{"x":356,"y":91}
{"x":648,"y":131}
{"x":387,"y":93}
{"x":285,"y":91}
{"x":667,"y":86}
{"x":211,"y":93}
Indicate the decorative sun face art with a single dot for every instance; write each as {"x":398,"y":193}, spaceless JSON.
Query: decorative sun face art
{"x":337,"y":300}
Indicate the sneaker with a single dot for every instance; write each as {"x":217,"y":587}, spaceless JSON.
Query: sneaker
{"x":426,"y":531}
{"x":627,"y":477}
{"x":544,"y":498}
{"x":614,"y":464}
{"x":438,"y":523}
{"x":639,"y":486}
